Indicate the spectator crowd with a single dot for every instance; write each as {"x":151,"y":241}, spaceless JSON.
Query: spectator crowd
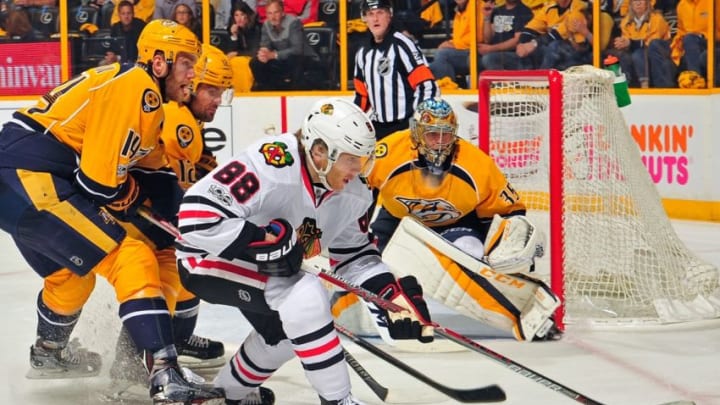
{"x":294,"y":44}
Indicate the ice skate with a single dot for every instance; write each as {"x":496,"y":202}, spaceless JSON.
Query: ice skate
{"x":199,"y":352}
{"x":169,"y":386}
{"x":348,"y":400}
{"x":263,"y":396}
{"x":50,"y":360}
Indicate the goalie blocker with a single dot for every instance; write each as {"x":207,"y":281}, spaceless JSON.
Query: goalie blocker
{"x":513,"y":302}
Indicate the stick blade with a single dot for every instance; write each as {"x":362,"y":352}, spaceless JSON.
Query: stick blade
{"x":490,"y":393}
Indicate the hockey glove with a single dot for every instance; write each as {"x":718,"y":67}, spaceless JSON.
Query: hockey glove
{"x":407,"y":293}
{"x":205,"y":165}
{"x":128,"y":200}
{"x":282,"y":257}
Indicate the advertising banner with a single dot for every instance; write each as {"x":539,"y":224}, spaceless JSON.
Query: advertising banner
{"x":29,"y":68}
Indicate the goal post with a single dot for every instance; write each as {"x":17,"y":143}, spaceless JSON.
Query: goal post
{"x":613,"y":256}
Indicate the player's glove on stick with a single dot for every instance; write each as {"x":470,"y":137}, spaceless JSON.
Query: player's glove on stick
{"x":205,"y":165}
{"x":128,"y":200}
{"x":407,"y":293}
{"x":282,"y":257}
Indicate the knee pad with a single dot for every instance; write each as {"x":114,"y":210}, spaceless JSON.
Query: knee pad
{"x":305,"y":307}
{"x":65,"y":293}
{"x":132,"y":270}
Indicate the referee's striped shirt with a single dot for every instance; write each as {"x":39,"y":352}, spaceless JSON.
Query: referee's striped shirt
{"x":392,"y":78}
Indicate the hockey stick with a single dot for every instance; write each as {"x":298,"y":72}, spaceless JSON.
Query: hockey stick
{"x":457,"y":338}
{"x":445,"y":332}
{"x":379,"y":390}
{"x":490,"y":393}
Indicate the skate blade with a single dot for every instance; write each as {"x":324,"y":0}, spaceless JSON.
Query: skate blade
{"x":195,"y":363}
{"x":44,"y":374}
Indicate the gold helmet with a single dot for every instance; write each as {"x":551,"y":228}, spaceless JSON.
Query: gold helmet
{"x":168,"y":37}
{"x":434,"y":121}
{"x":213,"y":68}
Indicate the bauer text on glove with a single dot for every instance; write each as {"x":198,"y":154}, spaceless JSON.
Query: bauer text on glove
{"x":279,"y":254}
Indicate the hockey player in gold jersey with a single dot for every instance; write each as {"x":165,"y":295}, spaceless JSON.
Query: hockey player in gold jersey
{"x":191,"y":160}
{"x":66,"y":160}
{"x":430,"y":174}
{"x":182,"y":144}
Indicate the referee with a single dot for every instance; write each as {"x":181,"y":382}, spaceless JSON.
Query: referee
{"x":391,"y":74}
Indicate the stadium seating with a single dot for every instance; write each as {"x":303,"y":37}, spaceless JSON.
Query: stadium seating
{"x":221,"y":39}
{"x":322,"y":75}
{"x":81,"y":15}
{"x":44,"y":20}
{"x":329,"y":13}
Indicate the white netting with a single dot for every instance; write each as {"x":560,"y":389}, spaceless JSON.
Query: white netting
{"x":622,"y":260}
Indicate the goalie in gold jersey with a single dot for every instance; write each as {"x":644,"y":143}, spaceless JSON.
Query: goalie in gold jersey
{"x":182,"y":144}
{"x":428,"y":173}
{"x":63,"y":162}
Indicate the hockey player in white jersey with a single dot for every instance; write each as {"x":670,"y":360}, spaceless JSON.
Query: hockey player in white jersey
{"x":246,"y":227}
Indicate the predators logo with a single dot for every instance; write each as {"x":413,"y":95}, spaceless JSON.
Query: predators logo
{"x":184,"y":135}
{"x":150,"y":101}
{"x":276,"y":154}
{"x":309,"y":236}
{"x":431,"y":212}
{"x":381,"y":150}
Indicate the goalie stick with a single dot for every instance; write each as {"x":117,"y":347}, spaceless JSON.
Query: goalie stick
{"x":457,"y":338}
{"x":490,"y":393}
{"x":445,"y":332}
{"x":440,"y":330}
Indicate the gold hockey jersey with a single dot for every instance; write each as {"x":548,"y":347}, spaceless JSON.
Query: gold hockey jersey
{"x":473,"y":184}
{"x":110,"y":116}
{"x":182,"y":141}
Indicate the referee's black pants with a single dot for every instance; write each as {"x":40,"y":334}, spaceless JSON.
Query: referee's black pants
{"x":383,"y":129}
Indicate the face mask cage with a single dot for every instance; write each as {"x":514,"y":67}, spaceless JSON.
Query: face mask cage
{"x":435,"y":143}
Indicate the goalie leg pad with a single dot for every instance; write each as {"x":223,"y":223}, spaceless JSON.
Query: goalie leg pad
{"x":497,"y":299}
{"x":536,"y":318}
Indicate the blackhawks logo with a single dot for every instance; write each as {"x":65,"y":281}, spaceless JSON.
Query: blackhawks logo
{"x":309,"y":236}
{"x":276,"y":154}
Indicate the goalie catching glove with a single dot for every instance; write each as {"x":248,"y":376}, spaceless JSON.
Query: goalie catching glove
{"x":512,"y":244}
{"x":280,"y":257}
{"x":413,"y":323}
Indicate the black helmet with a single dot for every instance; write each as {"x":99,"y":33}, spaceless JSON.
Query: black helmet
{"x":368,"y":5}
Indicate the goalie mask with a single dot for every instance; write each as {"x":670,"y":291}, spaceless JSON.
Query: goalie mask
{"x":342,"y":127}
{"x":433,"y":130}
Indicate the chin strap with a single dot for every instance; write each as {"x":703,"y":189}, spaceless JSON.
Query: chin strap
{"x":322,"y":174}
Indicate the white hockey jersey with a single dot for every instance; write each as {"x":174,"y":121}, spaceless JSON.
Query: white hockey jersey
{"x":267,"y":181}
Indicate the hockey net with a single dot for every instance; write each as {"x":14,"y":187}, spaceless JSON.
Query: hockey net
{"x":612,"y":254}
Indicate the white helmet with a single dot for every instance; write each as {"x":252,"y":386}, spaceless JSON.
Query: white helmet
{"x":344,"y":128}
